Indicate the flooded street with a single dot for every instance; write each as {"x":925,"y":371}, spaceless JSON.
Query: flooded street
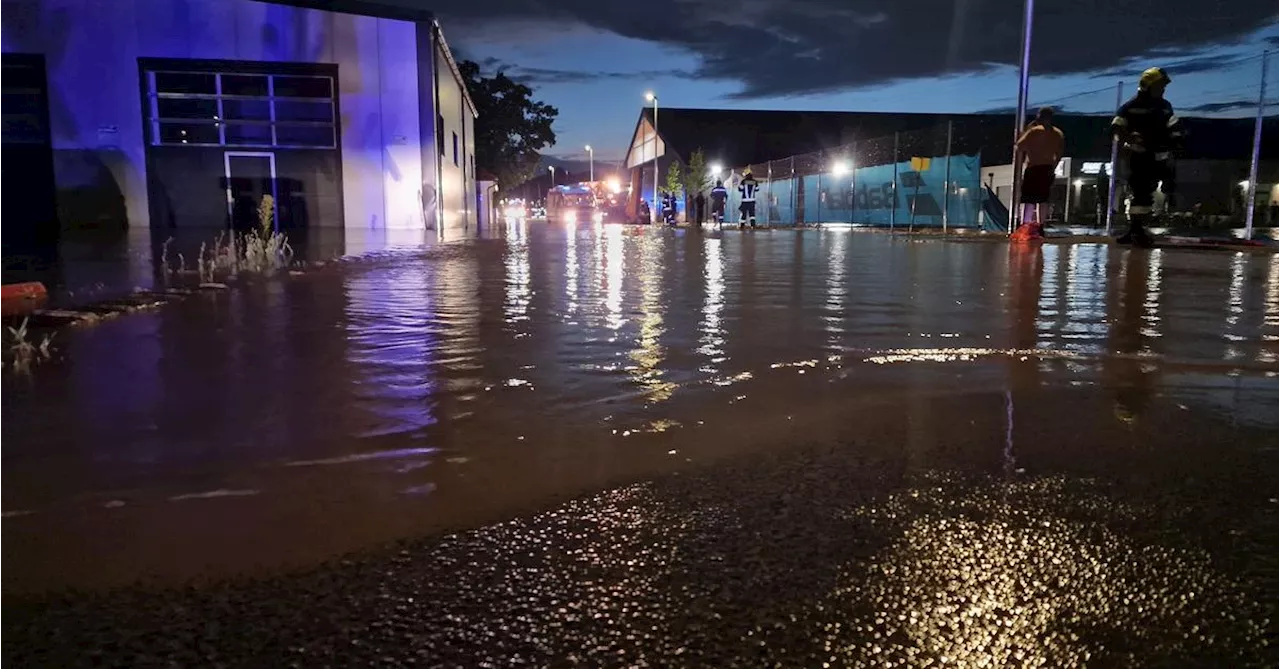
{"x":898,"y":393}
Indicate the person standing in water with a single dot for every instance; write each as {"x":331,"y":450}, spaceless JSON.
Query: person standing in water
{"x":1039,"y":148}
{"x":1150,"y":133}
{"x":747,"y":189}
{"x":719,"y":195}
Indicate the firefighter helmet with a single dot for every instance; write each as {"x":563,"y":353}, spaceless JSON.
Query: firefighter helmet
{"x":1152,"y":76}
{"x":746,"y":173}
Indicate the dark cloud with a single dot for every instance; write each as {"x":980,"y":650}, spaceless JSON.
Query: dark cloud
{"x":799,"y":47}
{"x":537,"y":75}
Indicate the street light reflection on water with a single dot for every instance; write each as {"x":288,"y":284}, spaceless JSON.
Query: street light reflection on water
{"x":521,"y":356}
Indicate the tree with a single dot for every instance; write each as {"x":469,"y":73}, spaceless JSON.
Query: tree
{"x":698,"y":175}
{"x":512,"y":127}
{"x":675,"y":182}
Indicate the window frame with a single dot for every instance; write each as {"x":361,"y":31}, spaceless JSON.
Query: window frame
{"x":156,"y":122}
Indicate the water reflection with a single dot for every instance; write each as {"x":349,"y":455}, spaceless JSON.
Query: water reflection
{"x":837,"y":290}
{"x":517,"y":266}
{"x":1272,"y":317}
{"x":711,"y":341}
{"x":392,"y":335}
{"x":1130,"y":368}
{"x":1151,"y":306}
{"x":648,"y":355}
{"x":613,"y":258}
{"x":526,"y":347}
{"x":571,"y":272}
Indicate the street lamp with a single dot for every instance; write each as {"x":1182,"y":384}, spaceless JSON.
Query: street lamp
{"x":591,"y":162}
{"x":840,"y":168}
{"x":553,"y":175}
{"x":715,"y":170}
{"x":649,"y":96}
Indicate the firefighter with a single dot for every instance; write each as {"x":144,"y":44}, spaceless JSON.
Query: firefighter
{"x":719,"y":195}
{"x":1150,"y":133}
{"x":747,"y":189}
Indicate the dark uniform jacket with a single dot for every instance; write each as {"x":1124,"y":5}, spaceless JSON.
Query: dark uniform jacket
{"x":1153,"y":120}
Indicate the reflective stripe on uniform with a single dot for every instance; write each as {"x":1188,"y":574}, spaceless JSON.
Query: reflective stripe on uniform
{"x":1139,"y":210}
{"x":1119,"y":120}
{"x":1173,"y":120}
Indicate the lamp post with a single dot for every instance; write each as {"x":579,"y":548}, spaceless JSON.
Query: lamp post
{"x":654,"y":99}
{"x":553,"y":175}
{"x":1024,"y":73}
{"x":591,"y":164}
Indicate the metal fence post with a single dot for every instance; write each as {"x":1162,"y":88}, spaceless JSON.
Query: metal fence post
{"x":1251,"y":201}
{"x":1115,"y":155}
{"x":853,"y":182}
{"x":946,"y":180}
{"x":893,"y":209}
{"x":792,"y":188}
{"x":768,"y":203}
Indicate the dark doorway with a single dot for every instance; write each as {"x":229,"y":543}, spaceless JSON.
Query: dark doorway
{"x":250,"y":176}
{"x":30,"y":218}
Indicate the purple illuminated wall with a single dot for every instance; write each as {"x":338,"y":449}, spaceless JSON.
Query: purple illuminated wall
{"x":92,"y":49}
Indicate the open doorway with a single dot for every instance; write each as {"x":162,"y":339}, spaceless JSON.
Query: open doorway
{"x":250,"y":176}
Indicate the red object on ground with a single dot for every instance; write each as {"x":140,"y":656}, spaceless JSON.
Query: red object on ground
{"x":1027,"y":232}
{"x":27,"y":291}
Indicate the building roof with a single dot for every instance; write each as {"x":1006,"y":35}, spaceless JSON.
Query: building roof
{"x":745,"y":137}
{"x":389,"y":10}
{"x":378,"y":8}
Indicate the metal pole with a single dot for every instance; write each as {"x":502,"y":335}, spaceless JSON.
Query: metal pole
{"x":853,"y":182}
{"x":1024,"y":80}
{"x":893,"y":208}
{"x":656,"y":212}
{"x":591,"y":162}
{"x":792,"y":188}
{"x":1066,"y":216}
{"x":946,"y":179}
{"x":1115,"y":156}
{"x":1257,"y":147}
{"x":768,"y":203}
{"x":822,"y":165}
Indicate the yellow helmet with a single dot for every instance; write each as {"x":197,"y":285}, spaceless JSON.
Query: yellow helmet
{"x":746,"y":172}
{"x":1152,"y":76}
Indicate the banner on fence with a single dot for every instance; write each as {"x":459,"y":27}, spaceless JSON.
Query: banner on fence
{"x":910,"y":193}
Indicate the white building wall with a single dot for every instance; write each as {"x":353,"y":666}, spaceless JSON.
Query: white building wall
{"x":92,"y":49}
{"x":454,"y":209}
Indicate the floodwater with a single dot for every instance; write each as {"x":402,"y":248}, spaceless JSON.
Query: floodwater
{"x":290,"y":420}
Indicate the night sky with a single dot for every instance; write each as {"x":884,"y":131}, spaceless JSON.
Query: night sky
{"x":594,"y":59}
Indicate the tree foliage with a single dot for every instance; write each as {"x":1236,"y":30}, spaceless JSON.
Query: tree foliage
{"x":512,"y":126}
{"x":675,"y":181}
{"x":697,"y":177}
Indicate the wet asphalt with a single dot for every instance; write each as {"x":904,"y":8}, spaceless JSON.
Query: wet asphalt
{"x":823,"y":556}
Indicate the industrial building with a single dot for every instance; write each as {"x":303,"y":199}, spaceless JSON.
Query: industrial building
{"x":174,"y":114}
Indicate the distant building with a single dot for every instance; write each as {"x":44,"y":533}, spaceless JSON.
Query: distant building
{"x":1209,"y":171}
{"x":185,"y":113}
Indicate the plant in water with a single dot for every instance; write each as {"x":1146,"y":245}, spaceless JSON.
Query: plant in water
{"x":23,"y":351}
{"x":260,"y":250}
{"x":266,"y":215}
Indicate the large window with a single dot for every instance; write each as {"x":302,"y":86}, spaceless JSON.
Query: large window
{"x":242,"y":110}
